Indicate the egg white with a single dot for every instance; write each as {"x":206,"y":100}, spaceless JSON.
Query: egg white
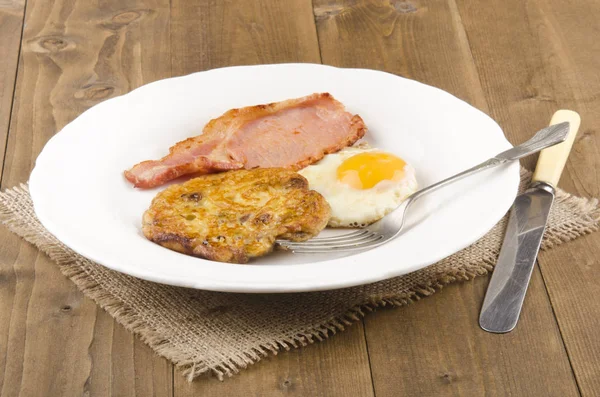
{"x":352,"y":207}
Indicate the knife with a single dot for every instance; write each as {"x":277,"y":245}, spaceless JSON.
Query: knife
{"x":526,"y":225}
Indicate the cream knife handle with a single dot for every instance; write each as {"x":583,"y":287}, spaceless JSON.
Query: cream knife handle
{"x":552,"y":160}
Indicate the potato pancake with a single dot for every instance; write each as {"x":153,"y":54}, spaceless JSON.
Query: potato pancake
{"x":237,"y":215}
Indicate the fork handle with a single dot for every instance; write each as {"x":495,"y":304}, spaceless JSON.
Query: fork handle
{"x":544,"y":138}
{"x":556,"y":133}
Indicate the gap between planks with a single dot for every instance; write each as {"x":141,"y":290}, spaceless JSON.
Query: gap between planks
{"x":13,"y":86}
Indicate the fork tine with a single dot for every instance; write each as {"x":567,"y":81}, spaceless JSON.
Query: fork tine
{"x":329,"y":249}
{"x":355,"y":240}
{"x":296,"y":247}
{"x":340,"y":237}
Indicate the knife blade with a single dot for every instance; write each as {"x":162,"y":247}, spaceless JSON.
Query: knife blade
{"x":525,"y":230}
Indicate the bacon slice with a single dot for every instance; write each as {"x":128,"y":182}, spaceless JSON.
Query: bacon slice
{"x":290,"y":134}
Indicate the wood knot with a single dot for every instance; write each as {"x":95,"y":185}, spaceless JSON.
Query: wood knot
{"x":585,"y":135}
{"x":125,"y":18}
{"x":53,"y":44}
{"x":403,"y":7}
{"x":532,"y":94}
{"x":50,"y":44}
{"x":11,"y":4}
{"x":327,"y":11}
{"x":95,"y":92}
{"x":287,"y":384}
{"x":122,"y":19}
{"x":447,"y":378}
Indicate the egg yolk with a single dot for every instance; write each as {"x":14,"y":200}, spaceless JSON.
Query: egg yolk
{"x":365,"y":170}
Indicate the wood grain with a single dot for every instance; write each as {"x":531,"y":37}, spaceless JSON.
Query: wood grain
{"x":437,"y":347}
{"x":11,"y":22}
{"x":58,"y":343}
{"x":249,"y":32}
{"x":518,"y":61}
{"x":123,"y":365}
{"x":210,"y":34}
{"x":439,"y":350}
{"x":549,"y":59}
{"x":337,"y":367}
{"x":74,"y":56}
{"x":422,"y":40}
{"x":46,"y":340}
{"x":11,"y":25}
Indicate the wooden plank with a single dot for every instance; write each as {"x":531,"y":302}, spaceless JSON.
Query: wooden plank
{"x":11,"y":24}
{"x":426,"y":41}
{"x":251,"y":32}
{"x":571,"y":276}
{"x":75,"y":55}
{"x":337,"y":367}
{"x":549,"y":59}
{"x":55,"y":342}
{"x":123,"y":365}
{"x":439,"y":350}
{"x":419,"y":40}
{"x":210,"y":34}
{"x":46,"y":340}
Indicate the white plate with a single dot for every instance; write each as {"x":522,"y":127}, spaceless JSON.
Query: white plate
{"x":81,"y":196}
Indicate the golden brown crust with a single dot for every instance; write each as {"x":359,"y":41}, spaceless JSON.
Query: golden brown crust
{"x":236,"y":215}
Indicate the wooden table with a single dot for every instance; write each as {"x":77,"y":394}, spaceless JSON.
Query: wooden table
{"x":517,"y":61}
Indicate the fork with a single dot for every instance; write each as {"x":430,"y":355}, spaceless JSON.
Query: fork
{"x":390,"y":226}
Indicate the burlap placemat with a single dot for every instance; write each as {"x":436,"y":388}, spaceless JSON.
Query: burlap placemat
{"x":203,"y":331}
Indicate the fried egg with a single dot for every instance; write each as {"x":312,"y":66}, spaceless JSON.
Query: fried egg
{"x":361,"y":185}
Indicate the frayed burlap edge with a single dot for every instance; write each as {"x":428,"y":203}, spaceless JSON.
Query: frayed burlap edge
{"x":125,"y":315}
